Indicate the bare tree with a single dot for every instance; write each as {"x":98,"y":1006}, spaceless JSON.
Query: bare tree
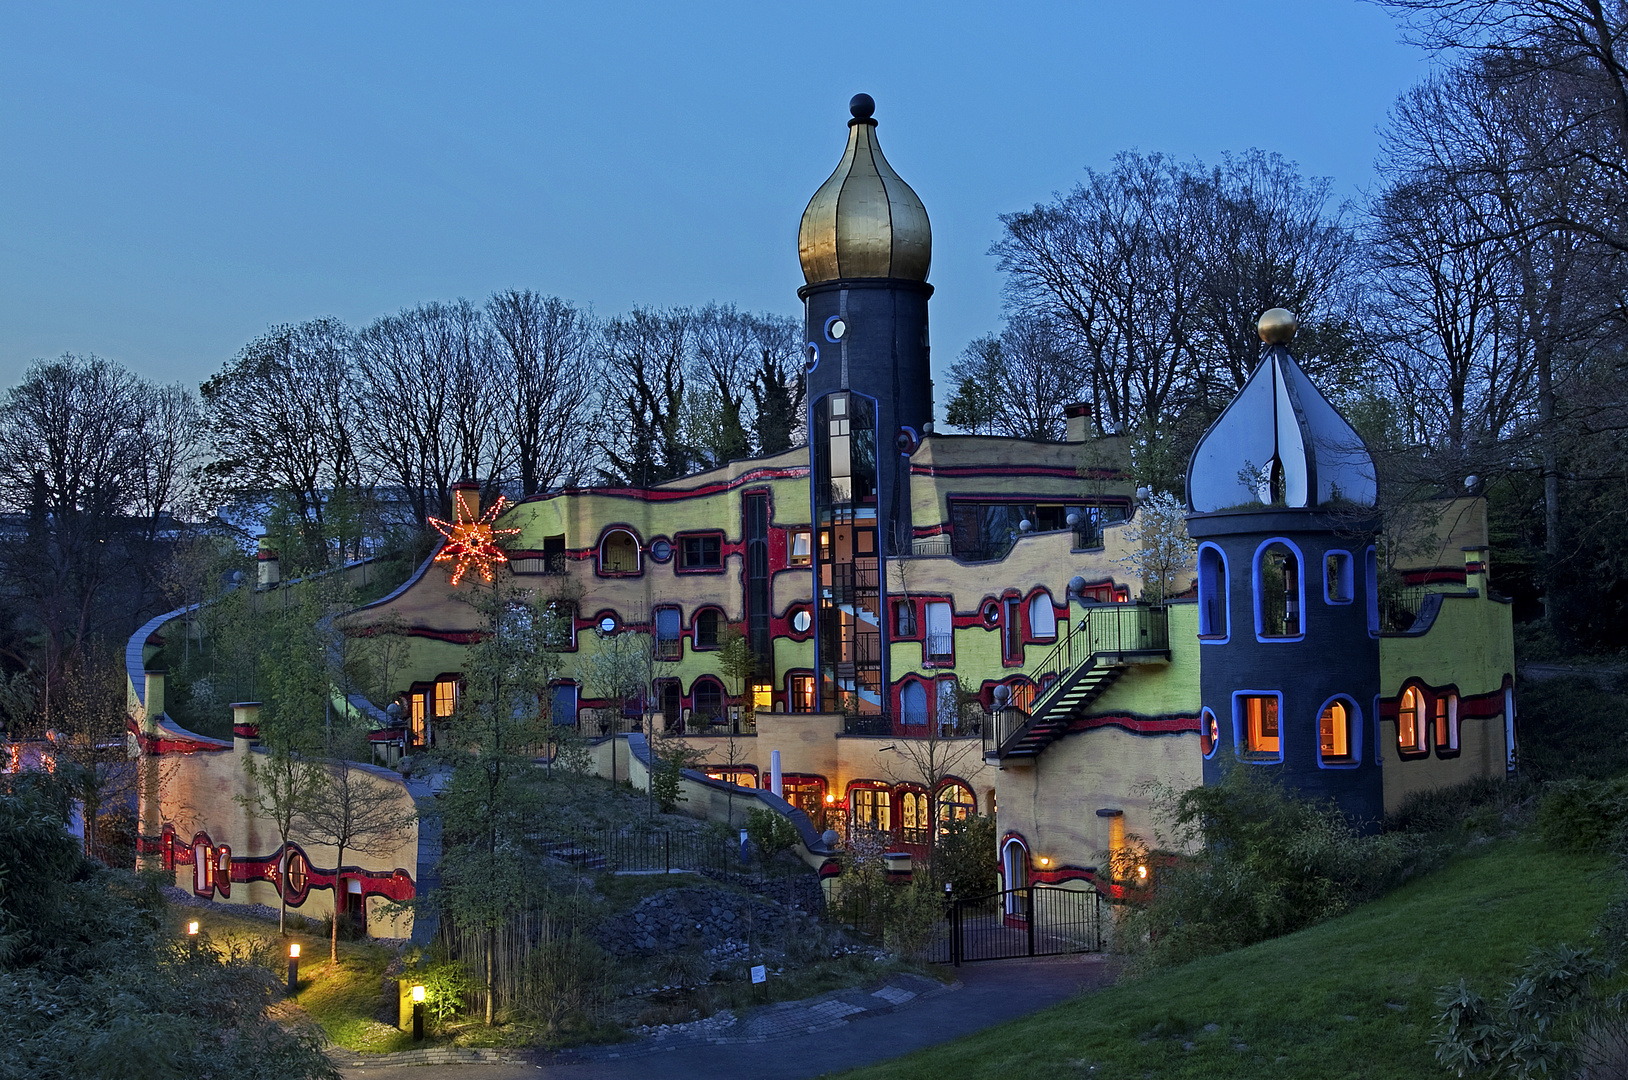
{"x":280,"y":783}
{"x":547,"y":358}
{"x":646,"y":357}
{"x":1016,"y":384}
{"x":351,"y":810}
{"x":282,"y":426}
{"x":430,"y":389}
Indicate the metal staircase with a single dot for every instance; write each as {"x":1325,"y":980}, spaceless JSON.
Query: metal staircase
{"x":1101,"y":645}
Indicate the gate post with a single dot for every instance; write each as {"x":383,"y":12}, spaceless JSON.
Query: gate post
{"x":1030,"y":897}
{"x":955,"y":932}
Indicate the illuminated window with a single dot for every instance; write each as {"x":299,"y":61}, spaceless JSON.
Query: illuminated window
{"x":446,"y":697}
{"x":1209,"y":732}
{"x":1042,"y":617}
{"x":700,"y":552}
{"x":1334,"y":733}
{"x":870,"y":808}
{"x":417,"y":714}
{"x":1256,"y":716}
{"x":1022,"y":695}
{"x":762,"y":697}
{"x":706,"y":628}
{"x":801,"y":553}
{"x":1278,"y":600}
{"x":806,"y":793}
{"x":1339,"y":583}
{"x":619,"y":553}
{"x":913,"y":817}
{"x":802,"y":693}
{"x":738,"y":777}
{"x":1446,"y":724}
{"x":955,"y":803}
{"x":1410,"y":722}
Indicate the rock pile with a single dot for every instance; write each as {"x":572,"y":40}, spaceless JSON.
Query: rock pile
{"x":675,"y":918}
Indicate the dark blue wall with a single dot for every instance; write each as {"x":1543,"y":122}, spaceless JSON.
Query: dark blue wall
{"x":883,"y":355}
{"x":1336,"y":656}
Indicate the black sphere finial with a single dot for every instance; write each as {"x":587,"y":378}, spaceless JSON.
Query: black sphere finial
{"x":863,"y":106}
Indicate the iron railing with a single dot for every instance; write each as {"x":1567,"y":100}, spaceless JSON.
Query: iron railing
{"x":1098,"y":630}
{"x":1399,"y":608}
{"x":877,"y":724}
{"x":1037,"y":921}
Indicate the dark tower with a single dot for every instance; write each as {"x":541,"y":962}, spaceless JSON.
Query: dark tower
{"x":1281,"y":494}
{"x":865,"y":245}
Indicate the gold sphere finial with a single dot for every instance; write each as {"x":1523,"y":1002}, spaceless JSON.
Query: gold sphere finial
{"x":1277,"y":326}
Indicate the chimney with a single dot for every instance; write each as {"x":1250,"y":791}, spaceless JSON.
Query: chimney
{"x":1476,"y":569}
{"x":466,"y":493}
{"x":154,"y":704}
{"x":245,"y":725}
{"x":270,"y":574}
{"x":1078,"y":416}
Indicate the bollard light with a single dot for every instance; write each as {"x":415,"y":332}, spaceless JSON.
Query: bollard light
{"x":418,"y":1014}
{"x":293,"y":968}
{"x":293,"y":950}
{"x":192,"y":928}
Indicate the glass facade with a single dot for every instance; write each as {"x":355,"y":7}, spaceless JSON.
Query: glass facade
{"x":849,"y":606}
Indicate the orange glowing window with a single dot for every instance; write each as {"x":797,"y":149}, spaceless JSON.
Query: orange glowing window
{"x":446,"y":697}
{"x":416,"y":719}
{"x":1334,"y":732}
{"x":1410,"y":722}
{"x":1258,"y":714}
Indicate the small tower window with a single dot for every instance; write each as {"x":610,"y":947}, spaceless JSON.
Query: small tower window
{"x":1255,"y":720}
{"x":1212,"y":592}
{"x":1209,"y":732}
{"x":1336,"y":733}
{"x":1339,"y":586}
{"x":1279,"y":592}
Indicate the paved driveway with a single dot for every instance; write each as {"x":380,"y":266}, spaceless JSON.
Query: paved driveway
{"x":992,"y":992}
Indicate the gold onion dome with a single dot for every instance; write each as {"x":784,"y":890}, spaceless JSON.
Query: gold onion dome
{"x":864,"y":222}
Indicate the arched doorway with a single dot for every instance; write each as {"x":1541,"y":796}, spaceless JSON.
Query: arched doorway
{"x":1015,"y":871}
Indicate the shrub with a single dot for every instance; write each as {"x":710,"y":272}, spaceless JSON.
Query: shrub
{"x":964,"y":857}
{"x":1533,"y":1029}
{"x":1571,"y":728}
{"x":910,"y":917}
{"x":1262,"y":862}
{"x":1584,"y":815}
{"x":771,"y":832}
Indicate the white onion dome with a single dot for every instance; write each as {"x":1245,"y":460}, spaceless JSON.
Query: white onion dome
{"x":1280,"y":442}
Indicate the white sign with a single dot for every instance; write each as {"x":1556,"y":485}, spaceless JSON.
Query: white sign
{"x":760,"y":973}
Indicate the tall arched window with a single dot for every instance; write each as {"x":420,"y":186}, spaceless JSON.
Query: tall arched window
{"x":1279,"y":592}
{"x":1212,"y":592}
{"x":913,"y":703}
{"x":1445,"y":726}
{"x":1410,"y":722}
{"x":709,"y":701}
{"x":1042,"y":617}
{"x":956,"y":802}
{"x":1337,"y":733}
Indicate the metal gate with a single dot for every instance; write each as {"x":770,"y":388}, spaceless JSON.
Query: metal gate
{"x":1039,"y":921}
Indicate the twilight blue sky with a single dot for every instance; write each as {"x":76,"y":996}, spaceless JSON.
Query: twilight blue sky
{"x":174,"y":178}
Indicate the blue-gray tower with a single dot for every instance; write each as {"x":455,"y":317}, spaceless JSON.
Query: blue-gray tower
{"x":866,"y":246}
{"x":1281,"y":494}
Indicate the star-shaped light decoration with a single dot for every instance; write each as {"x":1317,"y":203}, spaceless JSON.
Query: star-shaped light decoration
{"x":472,"y":541}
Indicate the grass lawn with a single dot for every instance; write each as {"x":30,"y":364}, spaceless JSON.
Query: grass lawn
{"x":344,"y":999}
{"x":1352,"y":997}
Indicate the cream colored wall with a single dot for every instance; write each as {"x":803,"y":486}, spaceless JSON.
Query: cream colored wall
{"x":201,"y":792}
{"x":1469,"y":646}
{"x":930,"y":492}
{"x":1053,"y":803}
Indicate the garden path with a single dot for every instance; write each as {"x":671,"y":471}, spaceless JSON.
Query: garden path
{"x":991,"y":992}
